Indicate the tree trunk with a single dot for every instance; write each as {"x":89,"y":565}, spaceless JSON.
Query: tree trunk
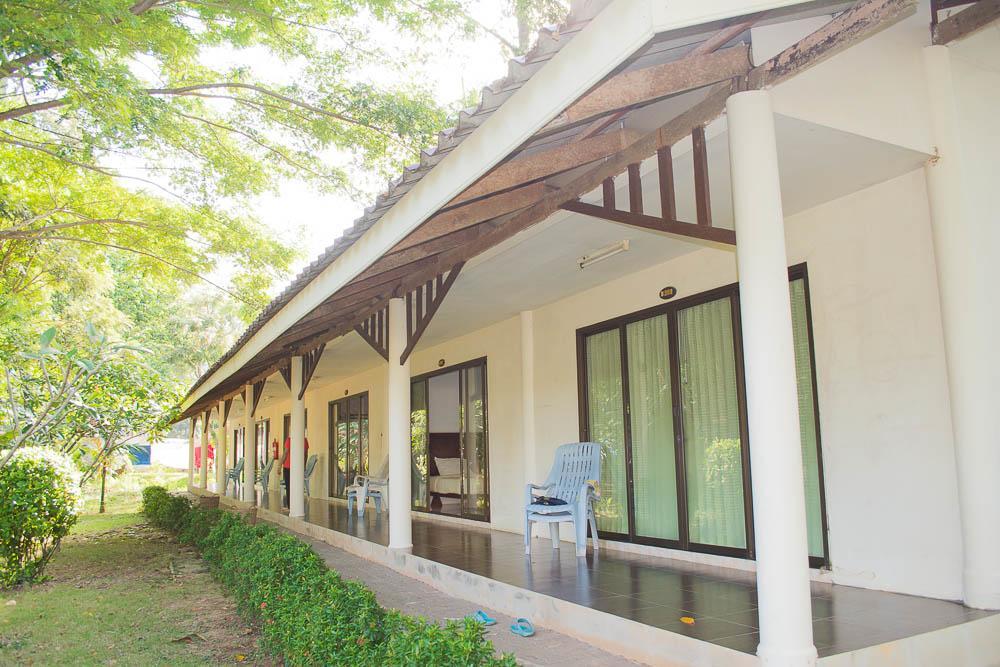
{"x":104,"y":476}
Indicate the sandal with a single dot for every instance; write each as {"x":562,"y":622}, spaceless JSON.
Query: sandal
{"x":523,"y":628}
{"x":484,"y":618}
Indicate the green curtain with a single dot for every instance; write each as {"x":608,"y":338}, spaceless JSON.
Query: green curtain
{"x":604,"y":404}
{"x":653,"y":461}
{"x":709,"y":402}
{"x":807,"y":417}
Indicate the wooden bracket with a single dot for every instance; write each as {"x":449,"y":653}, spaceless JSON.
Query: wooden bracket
{"x":205,"y":419}
{"x":258,"y":391}
{"x":422,"y":303}
{"x":286,"y":374}
{"x":667,"y":221}
{"x":375,"y":331}
{"x":310,"y":360}
{"x":225,"y":410}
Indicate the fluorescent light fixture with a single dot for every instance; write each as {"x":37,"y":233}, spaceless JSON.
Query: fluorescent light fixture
{"x":602,"y":254}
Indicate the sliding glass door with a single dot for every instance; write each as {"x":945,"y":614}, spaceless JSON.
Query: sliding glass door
{"x":449,"y":442}
{"x":348,"y":423}
{"x":662,"y":392}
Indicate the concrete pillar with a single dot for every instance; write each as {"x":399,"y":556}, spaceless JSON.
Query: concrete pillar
{"x":966,"y":231}
{"x":398,"y":422}
{"x":203,"y":470}
{"x":297,"y":432}
{"x":191,"y":454}
{"x":779,"y":506}
{"x":528,"y":396}
{"x":220,"y":451}
{"x":249,"y":459}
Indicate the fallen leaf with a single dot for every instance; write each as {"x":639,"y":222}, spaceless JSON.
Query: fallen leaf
{"x":687,"y":620}
{"x":240,"y":657}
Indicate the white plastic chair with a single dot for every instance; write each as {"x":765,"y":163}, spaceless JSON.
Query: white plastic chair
{"x":576,"y":466}
{"x":366,"y":487}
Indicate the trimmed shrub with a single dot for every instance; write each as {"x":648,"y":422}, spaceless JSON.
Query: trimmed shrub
{"x":40,"y":500}
{"x":307,"y":613}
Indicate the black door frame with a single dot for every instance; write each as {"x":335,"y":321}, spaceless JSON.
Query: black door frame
{"x":796,"y":272}
{"x":423,"y":377}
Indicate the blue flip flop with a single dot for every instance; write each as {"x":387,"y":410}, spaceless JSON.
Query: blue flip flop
{"x":484,"y":618}
{"x":523,"y":628}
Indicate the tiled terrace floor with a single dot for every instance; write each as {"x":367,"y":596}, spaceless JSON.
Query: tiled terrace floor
{"x":654,"y":591}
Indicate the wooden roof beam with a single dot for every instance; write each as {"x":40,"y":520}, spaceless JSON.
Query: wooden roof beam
{"x":546,"y":162}
{"x":471,"y":213}
{"x":964,"y":23}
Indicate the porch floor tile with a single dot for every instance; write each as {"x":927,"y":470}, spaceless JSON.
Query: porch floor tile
{"x":653,"y":591}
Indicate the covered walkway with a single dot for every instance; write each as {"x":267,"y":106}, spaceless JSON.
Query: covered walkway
{"x":646,"y":590}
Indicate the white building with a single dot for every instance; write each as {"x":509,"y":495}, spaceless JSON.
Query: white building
{"x":716,"y":238}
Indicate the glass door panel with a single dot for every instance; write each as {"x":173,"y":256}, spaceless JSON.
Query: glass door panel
{"x":475,"y":482}
{"x":606,"y":426}
{"x":711,"y":425}
{"x":807,"y":418}
{"x":363,"y":436}
{"x":418,"y":445}
{"x":654,"y":463}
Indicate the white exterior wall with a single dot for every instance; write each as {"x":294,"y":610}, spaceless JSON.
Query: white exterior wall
{"x":883,"y":397}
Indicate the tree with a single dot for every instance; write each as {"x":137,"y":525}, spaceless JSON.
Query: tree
{"x":122,"y":126}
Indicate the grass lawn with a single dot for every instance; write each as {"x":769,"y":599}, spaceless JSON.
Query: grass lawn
{"x":122,"y":593}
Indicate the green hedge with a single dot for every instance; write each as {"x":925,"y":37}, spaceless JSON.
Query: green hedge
{"x":307,"y":613}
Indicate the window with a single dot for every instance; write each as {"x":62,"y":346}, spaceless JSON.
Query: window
{"x":662,"y":391}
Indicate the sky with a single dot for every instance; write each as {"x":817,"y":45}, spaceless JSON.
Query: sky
{"x":311,"y":221}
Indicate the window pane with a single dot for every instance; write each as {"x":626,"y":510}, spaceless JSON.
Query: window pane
{"x":711,"y":421}
{"x":651,"y":407}
{"x":418,"y":443}
{"x":604,"y":408}
{"x":807,"y":417}
{"x":474,"y":452}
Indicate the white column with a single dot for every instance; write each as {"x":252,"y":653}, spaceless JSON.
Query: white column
{"x":203,"y":470}
{"x":528,"y":396}
{"x":398,"y":422}
{"x":297,"y":432}
{"x":966,"y":232}
{"x":249,"y":460}
{"x":779,"y":506}
{"x":191,"y":454}
{"x":220,"y":451}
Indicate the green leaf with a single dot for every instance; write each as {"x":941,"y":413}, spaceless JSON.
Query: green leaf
{"x":45,"y":340}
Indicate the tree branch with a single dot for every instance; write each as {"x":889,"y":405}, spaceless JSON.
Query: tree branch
{"x":172,"y":265}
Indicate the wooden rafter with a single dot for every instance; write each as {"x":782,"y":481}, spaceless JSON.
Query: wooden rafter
{"x":421,"y":305}
{"x":470,"y":214}
{"x":547,"y":162}
{"x":310,"y":360}
{"x":965,"y":22}
{"x":375,"y":332}
{"x":649,"y":84}
{"x":858,"y":23}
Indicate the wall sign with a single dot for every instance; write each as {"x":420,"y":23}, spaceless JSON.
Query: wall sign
{"x":668,"y":293}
